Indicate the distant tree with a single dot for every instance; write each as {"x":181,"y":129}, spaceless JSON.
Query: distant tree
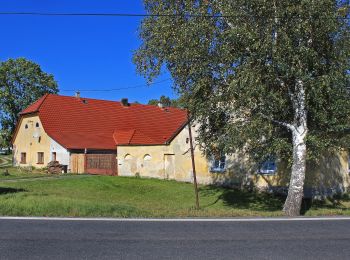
{"x":264,"y":77}
{"x":21,"y":83}
{"x":166,"y":101}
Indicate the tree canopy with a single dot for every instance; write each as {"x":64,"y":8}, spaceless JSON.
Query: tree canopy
{"x":264,"y":77}
{"x":167,"y":101}
{"x":21,"y":83}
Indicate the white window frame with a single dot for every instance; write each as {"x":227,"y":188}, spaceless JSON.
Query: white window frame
{"x":267,"y":170}
{"x":218,"y":165}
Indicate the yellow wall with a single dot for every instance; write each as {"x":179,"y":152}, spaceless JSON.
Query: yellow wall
{"x":331,"y":171}
{"x":160,"y":165}
{"x":26,"y":142}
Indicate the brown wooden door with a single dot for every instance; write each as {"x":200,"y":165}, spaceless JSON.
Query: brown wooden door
{"x":77,"y":163}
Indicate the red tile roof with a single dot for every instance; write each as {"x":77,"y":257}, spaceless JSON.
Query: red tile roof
{"x":79,"y":123}
{"x":35,"y":106}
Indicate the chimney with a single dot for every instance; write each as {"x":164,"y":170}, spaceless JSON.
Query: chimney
{"x":77,"y":94}
{"x":125,"y":102}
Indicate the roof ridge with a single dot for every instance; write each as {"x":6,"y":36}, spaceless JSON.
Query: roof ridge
{"x":35,"y":106}
{"x":132,"y":135}
{"x":42,"y":102}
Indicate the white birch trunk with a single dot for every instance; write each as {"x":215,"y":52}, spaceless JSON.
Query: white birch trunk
{"x":299,"y":130}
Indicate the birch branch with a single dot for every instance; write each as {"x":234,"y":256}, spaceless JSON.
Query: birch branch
{"x":287,"y":125}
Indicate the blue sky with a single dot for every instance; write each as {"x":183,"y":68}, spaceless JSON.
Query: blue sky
{"x":83,"y":53}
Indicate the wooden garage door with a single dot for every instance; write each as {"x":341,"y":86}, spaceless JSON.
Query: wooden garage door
{"x":77,"y":162}
{"x":105,"y":164}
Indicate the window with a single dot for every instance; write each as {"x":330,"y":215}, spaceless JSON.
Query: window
{"x":23,"y":158}
{"x":268,"y":167}
{"x":147,"y":157}
{"x":219,"y":164}
{"x":40,"y":158}
{"x":53,"y":156}
{"x":37,"y":124}
{"x":26,"y":126}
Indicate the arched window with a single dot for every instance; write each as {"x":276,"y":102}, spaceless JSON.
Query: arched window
{"x":147,"y":157}
{"x":127,"y":157}
{"x":37,"y":124}
{"x":26,"y":126}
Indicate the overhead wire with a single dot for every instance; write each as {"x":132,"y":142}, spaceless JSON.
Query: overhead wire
{"x":115,"y":89}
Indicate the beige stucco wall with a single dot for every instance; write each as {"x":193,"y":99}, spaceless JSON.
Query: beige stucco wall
{"x":162,"y":156}
{"x":27,"y":141}
{"x":331,"y":170}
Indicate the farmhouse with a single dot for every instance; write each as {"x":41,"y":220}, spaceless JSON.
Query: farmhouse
{"x":118,"y":138}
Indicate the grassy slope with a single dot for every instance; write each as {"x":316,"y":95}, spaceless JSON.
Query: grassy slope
{"x":131,"y":197}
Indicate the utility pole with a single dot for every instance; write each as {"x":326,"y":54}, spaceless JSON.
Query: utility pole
{"x":193,"y":162}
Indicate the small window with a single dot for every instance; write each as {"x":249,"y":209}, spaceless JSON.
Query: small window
{"x":26,"y":126}
{"x":268,"y":167}
{"x":24,"y":158}
{"x":219,"y":164}
{"x":53,"y":156}
{"x":37,"y":124}
{"x":127,"y":157}
{"x":147,"y":157}
{"x":40,"y":158}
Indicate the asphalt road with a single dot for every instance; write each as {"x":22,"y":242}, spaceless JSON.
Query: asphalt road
{"x":48,"y":239}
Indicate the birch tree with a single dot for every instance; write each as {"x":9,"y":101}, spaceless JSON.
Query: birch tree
{"x":270,"y":78}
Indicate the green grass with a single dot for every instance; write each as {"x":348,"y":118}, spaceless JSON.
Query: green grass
{"x":7,"y":171}
{"x":14,"y":173}
{"x":104,"y":196}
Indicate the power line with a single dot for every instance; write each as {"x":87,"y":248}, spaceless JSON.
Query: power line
{"x":151,"y":15}
{"x":115,"y":89}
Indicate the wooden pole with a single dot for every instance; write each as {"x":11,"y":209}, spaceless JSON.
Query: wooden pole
{"x":193,"y":162}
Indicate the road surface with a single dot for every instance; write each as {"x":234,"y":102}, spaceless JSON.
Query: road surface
{"x":93,"y":239}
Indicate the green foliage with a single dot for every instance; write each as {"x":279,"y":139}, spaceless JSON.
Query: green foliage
{"x":238,"y":73}
{"x":21,"y":83}
{"x":168,"y":102}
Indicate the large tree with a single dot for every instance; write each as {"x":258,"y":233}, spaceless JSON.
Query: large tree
{"x":21,"y":83}
{"x":269,"y":78}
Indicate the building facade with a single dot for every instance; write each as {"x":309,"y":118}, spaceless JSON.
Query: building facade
{"x":118,"y":138}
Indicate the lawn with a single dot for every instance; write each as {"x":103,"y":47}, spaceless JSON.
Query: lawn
{"x":105,"y":196}
{"x":9,"y":172}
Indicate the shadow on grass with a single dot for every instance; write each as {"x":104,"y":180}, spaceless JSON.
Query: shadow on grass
{"x":243,"y":199}
{"x":4,"y":191}
{"x":260,"y":201}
